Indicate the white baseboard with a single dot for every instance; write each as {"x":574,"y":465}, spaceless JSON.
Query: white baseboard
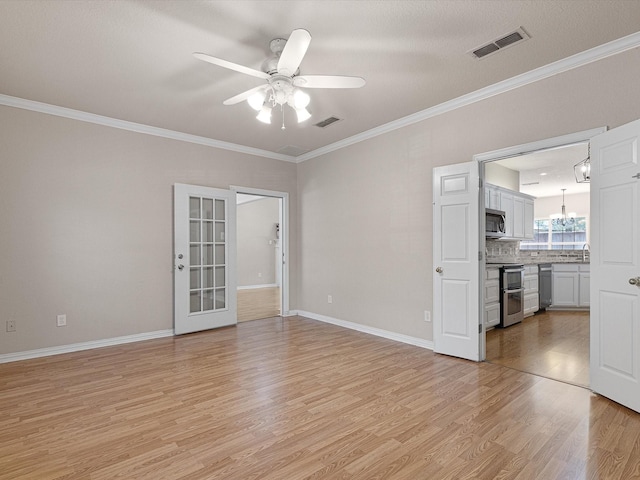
{"x":264,"y":285}
{"x":76,"y":347}
{"x":378,"y":332}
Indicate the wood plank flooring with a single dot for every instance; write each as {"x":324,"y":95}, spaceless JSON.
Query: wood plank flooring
{"x":257,"y":303}
{"x":292,"y":398}
{"x":554,"y":344}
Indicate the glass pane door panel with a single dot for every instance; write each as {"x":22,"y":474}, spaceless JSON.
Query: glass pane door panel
{"x":220,"y":298}
{"x":219,"y":232}
{"x":207,"y":300}
{"x":194,"y":301}
{"x":194,"y":278}
{"x":194,"y":207}
{"x":207,"y":208}
{"x":220,"y":260}
{"x":207,"y":254}
{"x":207,"y":229}
{"x":194,"y":231}
{"x":207,"y":232}
{"x":220,"y":276}
{"x":207,"y":277}
{"x":220,"y":210}
{"x":194,"y":255}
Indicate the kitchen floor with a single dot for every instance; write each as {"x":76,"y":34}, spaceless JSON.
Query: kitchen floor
{"x":552,"y":344}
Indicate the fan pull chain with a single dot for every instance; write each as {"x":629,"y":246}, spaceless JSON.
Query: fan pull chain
{"x":282,"y":110}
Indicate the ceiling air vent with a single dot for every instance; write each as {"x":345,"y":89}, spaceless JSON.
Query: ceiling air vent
{"x":327,"y":121}
{"x":292,"y":150}
{"x":501,"y":43}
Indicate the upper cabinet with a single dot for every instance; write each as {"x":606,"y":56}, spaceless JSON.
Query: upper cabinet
{"x":518,"y":209}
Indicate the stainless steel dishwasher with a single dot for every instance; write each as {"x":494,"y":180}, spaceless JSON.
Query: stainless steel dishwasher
{"x":544,"y":285}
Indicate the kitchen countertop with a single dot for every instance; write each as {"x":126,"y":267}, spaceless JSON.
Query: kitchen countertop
{"x":501,"y":264}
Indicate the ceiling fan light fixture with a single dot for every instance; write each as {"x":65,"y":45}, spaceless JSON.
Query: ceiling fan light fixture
{"x":303,"y":114}
{"x":256,"y":100}
{"x":300,"y":99}
{"x":265,"y":114}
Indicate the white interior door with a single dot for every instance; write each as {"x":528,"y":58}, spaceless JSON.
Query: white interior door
{"x":205,"y":258}
{"x":615,"y":265}
{"x":456,"y":320}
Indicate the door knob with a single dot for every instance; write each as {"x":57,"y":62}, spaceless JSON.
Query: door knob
{"x":180,"y":267}
{"x":635,"y":281}
{"x":439,"y":269}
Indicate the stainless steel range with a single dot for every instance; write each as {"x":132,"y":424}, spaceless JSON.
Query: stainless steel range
{"x":512,"y":295}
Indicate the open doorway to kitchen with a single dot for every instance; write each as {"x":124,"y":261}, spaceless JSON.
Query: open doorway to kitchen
{"x":260,"y":256}
{"x":552,"y":340}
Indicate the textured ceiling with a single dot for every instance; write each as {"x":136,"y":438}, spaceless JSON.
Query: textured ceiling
{"x":132,"y":60}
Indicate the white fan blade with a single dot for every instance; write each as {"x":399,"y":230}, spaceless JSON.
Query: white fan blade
{"x":293,"y":52}
{"x":244,"y":95}
{"x":231,"y":65}
{"x":328,"y":81}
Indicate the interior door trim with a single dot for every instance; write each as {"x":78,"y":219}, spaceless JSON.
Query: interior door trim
{"x":284,"y":235}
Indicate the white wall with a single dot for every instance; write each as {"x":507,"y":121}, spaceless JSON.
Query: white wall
{"x":502,"y":176}
{"x":366,"y":210}
{"x":86,"y":225}
{"x":257,"y":241}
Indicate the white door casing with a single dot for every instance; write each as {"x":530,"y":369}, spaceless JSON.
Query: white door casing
{"x":283,"y":243}
{"x":456,"y":283}
{"x":615,"y":260}
{"x":205,"y":258}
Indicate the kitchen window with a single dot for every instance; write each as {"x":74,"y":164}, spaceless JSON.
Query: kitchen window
{"x":550,"y":235}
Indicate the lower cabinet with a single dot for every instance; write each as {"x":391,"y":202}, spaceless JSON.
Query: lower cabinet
{"x":571,"y":283}
{"x":531,"y":298}
{"x":492,"y":297}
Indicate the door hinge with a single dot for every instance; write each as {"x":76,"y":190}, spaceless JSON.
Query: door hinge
{"x":479,"y":328}
{"x":480,"y":182}
{"x":479,"y":255}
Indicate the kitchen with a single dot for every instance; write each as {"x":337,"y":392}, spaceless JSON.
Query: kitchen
{"x":537,"y":277}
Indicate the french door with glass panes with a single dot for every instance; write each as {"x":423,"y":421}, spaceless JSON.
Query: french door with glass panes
{"x":204,"y":258}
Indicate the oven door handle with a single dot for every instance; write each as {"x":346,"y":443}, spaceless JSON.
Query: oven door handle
{"x":515,"y":290}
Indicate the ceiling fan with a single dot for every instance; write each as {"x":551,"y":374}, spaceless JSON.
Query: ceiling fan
{"x":283,"y":80}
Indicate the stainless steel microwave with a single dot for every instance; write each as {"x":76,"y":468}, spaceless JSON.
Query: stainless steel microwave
{"x":494,"y":223}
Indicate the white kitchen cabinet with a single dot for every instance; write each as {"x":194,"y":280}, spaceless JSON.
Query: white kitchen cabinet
{"x":531,"y":298}
{"x":528,"y":219}
{"x":491,"y":197}
{"x":492,"y":297}
{"x":506,"y":205}
{"x":585,"y":285}
{"x":518,"y":209}
{"x":518,"y":216}
{"x":570,"y":285}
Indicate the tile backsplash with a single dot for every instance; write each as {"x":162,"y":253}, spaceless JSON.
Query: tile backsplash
{"x":508,"y":251}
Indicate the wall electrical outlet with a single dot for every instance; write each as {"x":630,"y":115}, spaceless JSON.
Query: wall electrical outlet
{"x":61,"y":320}
{"x":329,"y":299}
{"x":259,"y":274}
{"x":427,"y":316}
{"x":11,"y":326}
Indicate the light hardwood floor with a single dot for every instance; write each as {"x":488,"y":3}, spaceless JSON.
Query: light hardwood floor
{"x":292,"y":398}
{"x":553,"y":344}
{"x":257,"y":303}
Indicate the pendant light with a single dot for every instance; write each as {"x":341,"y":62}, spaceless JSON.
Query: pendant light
{"x":563,"y":219}
{"x":582,"y":170}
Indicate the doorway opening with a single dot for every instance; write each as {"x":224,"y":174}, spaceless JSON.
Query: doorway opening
{"x":261,"y":228}
{"x":552,"y":340}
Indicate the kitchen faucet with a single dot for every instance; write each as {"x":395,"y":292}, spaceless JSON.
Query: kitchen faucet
{"x":585,"y":248}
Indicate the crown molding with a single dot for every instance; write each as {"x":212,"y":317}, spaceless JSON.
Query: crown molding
{"x":40,"y":107}
{"x":578,"y":60}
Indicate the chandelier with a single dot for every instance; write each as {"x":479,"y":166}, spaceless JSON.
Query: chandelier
{"x":582,"y":170}
{"x":562,"y":218}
